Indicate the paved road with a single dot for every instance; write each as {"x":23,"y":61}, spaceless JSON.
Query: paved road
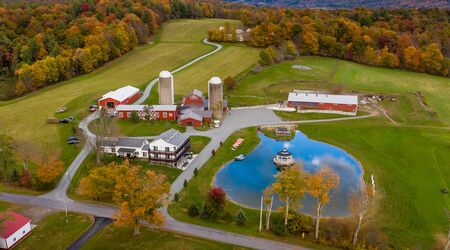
{"x":99,"y":224}
{"x":237,"y":119}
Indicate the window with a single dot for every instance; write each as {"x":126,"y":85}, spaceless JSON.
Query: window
{"x":14,"y":239}
{"x":170,"y":114}
{"x":155,"y":148}
{"x":165,"y":114}
{"x":128,"y":114}
{"x":156,"y":156}
{"x":113,"y":150}
{"x":157,"y":114}
{"x":144,"y":154}
{"x":120,"y":114}
{"x":23,"y":231}
{"x":167,"y":149}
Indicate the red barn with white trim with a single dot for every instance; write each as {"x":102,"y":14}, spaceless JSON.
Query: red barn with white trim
{"x":156,"y":112}
{"x":307,"y":100}
{"x":194,"y":99}
{"x":124,"y":95}
{"x":14,"y":228}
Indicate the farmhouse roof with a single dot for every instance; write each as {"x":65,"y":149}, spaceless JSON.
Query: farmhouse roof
{"x":130,"y":142}
{"x":173,"y":137}
{"x":126,"y":150}
{"x":165,"y":107}
{"x":121,"y":94}
{"x":13,"y":222}
{"x":324,"y":98}
{"x":108,"y":142}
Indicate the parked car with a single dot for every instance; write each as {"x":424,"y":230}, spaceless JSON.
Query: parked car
{"x":70,"y":118}
{"x":61,"y":110}
{"x":93,"y":108}
{"x":73,"y":140}
{"x":65,"y":120}
{"x":216,"y":123}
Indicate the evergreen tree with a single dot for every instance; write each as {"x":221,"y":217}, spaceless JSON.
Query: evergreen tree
{"x":134,"y":117}
{"x":185,"y":183}
{"x":193,"y":211}
{"x":15,"y":176}
{"x":195,"y":171}
{"x":176,"y":197}
{"x":241,"y":219}
{"x":204,"y":212}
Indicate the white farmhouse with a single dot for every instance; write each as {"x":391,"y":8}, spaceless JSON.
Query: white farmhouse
{"x":13,"y":229}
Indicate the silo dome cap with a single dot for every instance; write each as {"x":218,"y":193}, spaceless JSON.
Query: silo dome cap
{"x":165,"y":74}
{"x":215,"y":80}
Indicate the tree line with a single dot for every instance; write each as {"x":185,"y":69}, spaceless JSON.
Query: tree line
{"x":51,"y":41}
{"x":412,"y":39}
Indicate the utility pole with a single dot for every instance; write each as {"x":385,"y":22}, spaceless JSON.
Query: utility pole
{"x":260,"y":214}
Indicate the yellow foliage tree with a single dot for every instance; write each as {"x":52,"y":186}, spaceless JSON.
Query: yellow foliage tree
{"x":290,"y":185}
{"x":140,"y":198}
{"x":319,"y":186}
{"x":50,"y":170}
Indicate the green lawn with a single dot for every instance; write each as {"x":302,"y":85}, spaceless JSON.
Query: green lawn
{"x":112,"y":237}
{"x":198,"y":143}
{"x":294,"y":116}
{"x":54,"y":233}
{"x":275,"y":82}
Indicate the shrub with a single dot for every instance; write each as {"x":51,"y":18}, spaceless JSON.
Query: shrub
{"x":25,"y":180}
{"x":265,"y":58}
{"x":299,"y":223}
{"x":15,"y":176}
{"x":195,"y":171}
{"x":277,"y":225}
{"x":185,"y":183}
{"x":176,"y":197}
{"x":204,"y":212}
{"x":134,"y":116}
{"x":193,"y":211}
{"x":240,"y":219}
{"x":228,"y":217}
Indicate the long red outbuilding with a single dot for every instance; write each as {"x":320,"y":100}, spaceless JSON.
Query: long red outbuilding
{"x":124,"y":95}
{"x":152,"y":112}
{"x":306,"y":100}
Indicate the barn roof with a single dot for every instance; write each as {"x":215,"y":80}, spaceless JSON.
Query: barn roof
{"x":190,"y":114}
{"x":197,"y":93}
{"x":121,"y":94}
{"x":164,"y":107}
{"x":325,"y":98}
{"x":13,"y":222}
{"x":130,"y":107}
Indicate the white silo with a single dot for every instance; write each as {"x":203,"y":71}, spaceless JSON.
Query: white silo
{"x":215,"y":97}
{"x":165,"y":87}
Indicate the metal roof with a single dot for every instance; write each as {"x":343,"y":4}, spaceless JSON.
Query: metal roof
{"x":121,"y":94}
{"x":165,"y":74}
{"x":324,"y":98}
{"x":130,"y":142}
{"x":173,"y":137}
{"x":126,"y":150}
{"x":197,"y":93}
{"x":284,"y":152}
{"x":142,"y":107}
{"x":192,"y":115}
{"x":108,"y":142}
{"x":11,"y":222}
{"x":215,"y":80}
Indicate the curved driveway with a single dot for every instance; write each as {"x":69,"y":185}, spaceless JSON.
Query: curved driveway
{"x":237,"y":119}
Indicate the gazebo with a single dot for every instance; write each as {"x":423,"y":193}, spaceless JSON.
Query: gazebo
{"x":283,"y":158}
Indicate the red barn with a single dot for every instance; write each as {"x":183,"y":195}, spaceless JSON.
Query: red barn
{"x":195,"y":118}
{"x":306,"y":100}
{"x":124,"y":95}
{"x":194,"y":99}
{"x":156,"y":112}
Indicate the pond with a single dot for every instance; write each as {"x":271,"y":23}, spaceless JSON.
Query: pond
{"x":244,"y":181}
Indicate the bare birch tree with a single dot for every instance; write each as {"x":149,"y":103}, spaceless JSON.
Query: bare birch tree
{"x":102,"y":129}
{"x":360,"y":205}
{"x":268,"y":202}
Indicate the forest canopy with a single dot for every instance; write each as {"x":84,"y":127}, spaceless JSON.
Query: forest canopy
{"x":45,"y":42}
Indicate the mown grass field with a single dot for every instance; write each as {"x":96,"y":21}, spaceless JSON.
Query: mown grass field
{"x":112,"y":237}
{"x":25,"y":118}
{"x":274,"y":83}
{"x":53,"y":232}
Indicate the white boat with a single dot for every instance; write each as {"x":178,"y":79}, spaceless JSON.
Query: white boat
{"x":239,"y":157}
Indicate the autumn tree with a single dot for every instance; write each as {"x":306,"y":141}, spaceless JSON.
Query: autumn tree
{"x":6,"y":154}
{"x":25,"y":179}
{"x":319,"y":186}
{"x":361,"y":203}
{"x":215,"y":202}
{"x":229,"y":82}
{"x":432,"y":60}
{"x":411,"y":58}
{"x":139,"y":198}
{"x":290,"y":185}
{"x":99,"y":184}
{"x":48,"y":171}
{"x":268,"y":203}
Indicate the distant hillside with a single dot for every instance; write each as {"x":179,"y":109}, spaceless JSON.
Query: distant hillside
{"x":343,"y":4}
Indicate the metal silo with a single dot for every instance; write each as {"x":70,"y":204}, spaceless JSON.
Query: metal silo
{"x":165,"y":87}
{"x":215,"y":97}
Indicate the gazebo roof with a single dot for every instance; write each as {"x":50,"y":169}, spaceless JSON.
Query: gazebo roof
{"x":284,"y":152}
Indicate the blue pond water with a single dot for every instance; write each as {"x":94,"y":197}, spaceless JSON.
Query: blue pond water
{"x":244,"y":181}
